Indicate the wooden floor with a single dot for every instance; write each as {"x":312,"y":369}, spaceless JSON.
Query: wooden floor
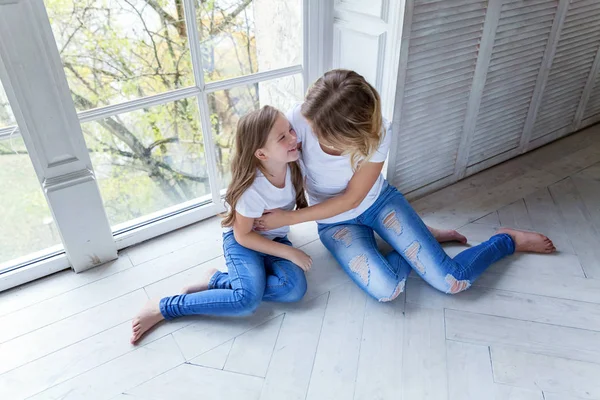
{"x":529,"y":329}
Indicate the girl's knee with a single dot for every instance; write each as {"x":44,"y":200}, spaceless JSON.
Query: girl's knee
{"x":246,"y":301}
{"x":296,"y":285}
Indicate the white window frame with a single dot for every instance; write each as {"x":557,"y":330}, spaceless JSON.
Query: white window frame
{"x":316,"y":17}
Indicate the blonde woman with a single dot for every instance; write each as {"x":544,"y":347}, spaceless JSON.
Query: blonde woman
{"x":344,"y":143}
{"x":265,"y":266}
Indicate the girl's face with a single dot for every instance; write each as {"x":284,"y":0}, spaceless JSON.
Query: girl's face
{"x":282,"y":143}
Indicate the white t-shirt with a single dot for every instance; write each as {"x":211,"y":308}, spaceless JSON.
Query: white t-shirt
{"x":263,"y":195}
{"x":327,"y":176}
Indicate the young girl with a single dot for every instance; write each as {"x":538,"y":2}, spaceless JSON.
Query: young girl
{"x":344,"y":144}
{"x":265,"y":266}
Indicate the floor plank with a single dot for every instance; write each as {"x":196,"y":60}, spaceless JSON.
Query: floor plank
{"x":380,"y":360}
{"x":515,"y":216}
{"x":194,"y":382}
{"x":98,"y":292}
{"x":491,"y":219}
{"x":116,"y":376}
{"x":215,"y":358}
{"x":469,"y":371}
{"x":207,"y":233}
{"x":292,"y":362}
{"x":515,"y":305}
{"x":251,"y":351}
{"x":335,"y":366}
{"x":68,"y":331}
{"x":567,"y":287}
{"x":56,"y":284}
{"x":577,"y":223}
{"x":589,"y":190}
{"x":553,"y":340}
{"x":551,"y":374}
{"x":206,"y":333}
{"x":546,"y":219}
{"x":73,"y":360}
{"x":560,"y":396}
{"x":424,"y":355}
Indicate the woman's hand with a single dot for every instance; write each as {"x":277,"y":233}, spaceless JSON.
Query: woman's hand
{"x":272,"y":219}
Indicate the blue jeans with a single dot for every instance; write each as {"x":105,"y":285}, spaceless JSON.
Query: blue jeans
{"x":251,"y":278}
{"x":353,"y":245}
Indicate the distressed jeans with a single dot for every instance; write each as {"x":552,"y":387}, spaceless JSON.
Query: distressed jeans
{"x":353,"y":245}
{"x":251,"y":278}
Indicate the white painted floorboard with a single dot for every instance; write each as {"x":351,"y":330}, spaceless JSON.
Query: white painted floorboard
{"x":528,"y":329}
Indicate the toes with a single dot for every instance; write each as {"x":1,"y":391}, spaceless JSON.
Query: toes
{"x":137,"y":328}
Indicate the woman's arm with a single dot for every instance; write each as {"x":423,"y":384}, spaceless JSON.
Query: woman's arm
{"x":359,"y":186}
{"x":244,"y":235}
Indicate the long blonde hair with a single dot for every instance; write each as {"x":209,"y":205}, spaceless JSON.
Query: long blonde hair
{"x":251,"y":134}
{"x":345,"y":111}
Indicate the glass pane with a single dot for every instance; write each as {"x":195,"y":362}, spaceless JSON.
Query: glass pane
{"x":116,"y":50}
{"x":241,"y":37}
{"x":148,"y":160}
{"x":26,"y":225}
{"x":227,"y":106}
{"x":6,"y":116}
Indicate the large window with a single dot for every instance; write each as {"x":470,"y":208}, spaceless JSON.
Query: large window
{"x":159,"y":86}
{"x":26,"y":226}
{"x":140,"y":72}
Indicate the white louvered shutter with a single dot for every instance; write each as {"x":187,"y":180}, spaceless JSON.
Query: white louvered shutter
{"x":484,"y":81}
{"x":577,"y":48}
{"x":592,"y":110}
{"x":520,"y":43}
{"x":442,"y":53}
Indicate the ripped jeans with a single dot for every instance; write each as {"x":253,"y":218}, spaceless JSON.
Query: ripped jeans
{"x":353,"y":245}
{"x":252,"y":277}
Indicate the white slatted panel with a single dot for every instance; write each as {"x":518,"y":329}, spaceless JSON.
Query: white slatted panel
{"x":521,"y":39}
{"x":443,"y":49}
{"x":593,"y":106}
{"x":578,"y":44}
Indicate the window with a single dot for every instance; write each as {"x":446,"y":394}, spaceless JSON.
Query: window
{"x":27,"y":230}
{"x":159,"y":86}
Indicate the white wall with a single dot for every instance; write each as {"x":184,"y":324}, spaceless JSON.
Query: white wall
{"x":366,"y":38}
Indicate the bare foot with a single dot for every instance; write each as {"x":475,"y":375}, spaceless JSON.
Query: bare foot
{"x":447,"y":235}
{"x":202,"y":284}
{"x":531,"y":242}
{"x":146,"y":319}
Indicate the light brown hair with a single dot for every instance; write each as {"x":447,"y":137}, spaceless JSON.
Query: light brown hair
{"x":251,"y":134}
{"x":345,"y":112}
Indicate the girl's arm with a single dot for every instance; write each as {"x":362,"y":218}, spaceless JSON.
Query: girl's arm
{"x":244,"y":235}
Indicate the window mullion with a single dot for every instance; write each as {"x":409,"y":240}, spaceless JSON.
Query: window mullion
{"x":197,"y":65}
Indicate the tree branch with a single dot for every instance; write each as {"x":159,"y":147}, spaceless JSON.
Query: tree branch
{"x":161,"y":142}
{"x":178,"y":24}
{"x":228,"y":20}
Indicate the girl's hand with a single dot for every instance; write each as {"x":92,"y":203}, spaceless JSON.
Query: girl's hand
{"x":272,"y":219}
{"x":301,"y":259}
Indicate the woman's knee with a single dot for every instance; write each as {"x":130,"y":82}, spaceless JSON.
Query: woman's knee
{"x":246,"y":301}
{"x":451,"y":284}
{"x":388,"y":291}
